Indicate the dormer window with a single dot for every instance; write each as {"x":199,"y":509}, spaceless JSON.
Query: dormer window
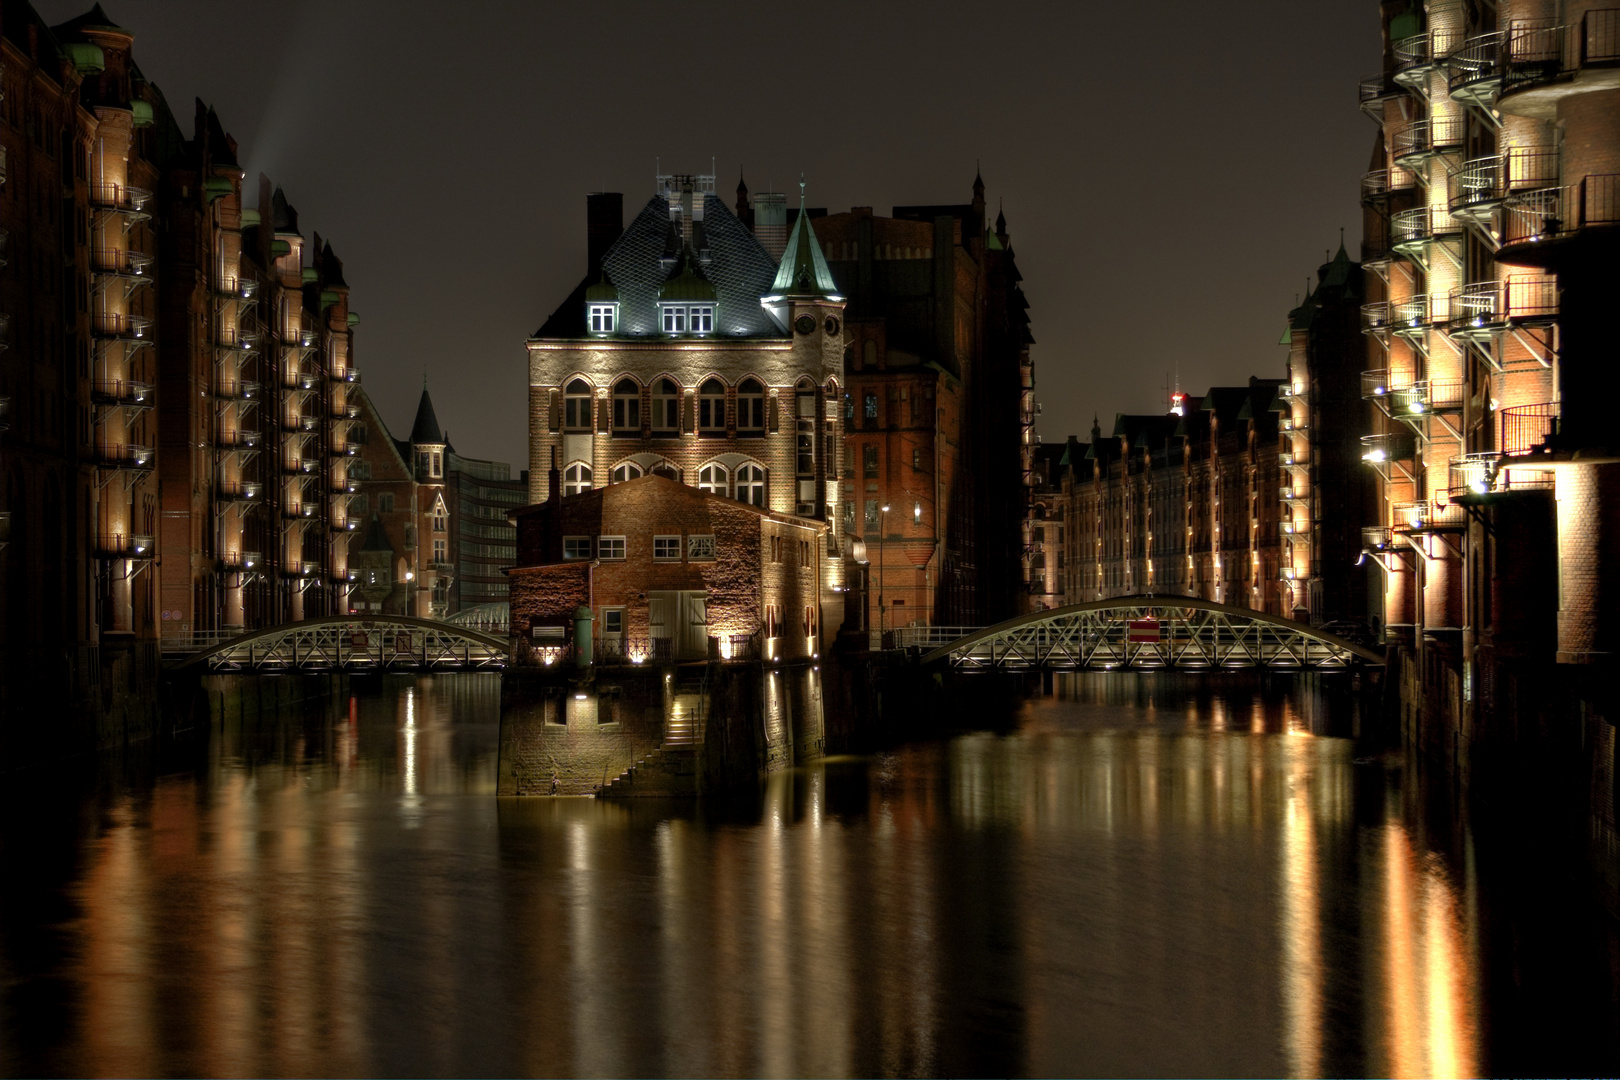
{"x":674,"y":319}
{"x":603,"y":318}
{"x":700,"y":319}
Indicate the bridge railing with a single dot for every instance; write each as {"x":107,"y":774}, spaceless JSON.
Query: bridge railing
{"x":930,"y":637}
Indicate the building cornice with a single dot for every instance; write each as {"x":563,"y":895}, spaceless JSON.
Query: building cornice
{"x":660,"y":345}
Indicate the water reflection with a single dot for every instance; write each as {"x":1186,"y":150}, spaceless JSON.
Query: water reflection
{"x":1122,"y":883}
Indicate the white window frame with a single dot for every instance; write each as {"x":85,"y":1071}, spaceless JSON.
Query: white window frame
{"x":626,"y":470}
{"x":750,"y":485}
{"x":711,"y":418}
{"x":611,"y":548}
{"x":603,"y":318}
{"x":577,"y":478}
{"x":700,"y":547}
{"x":700,"y":319}
{"x":674,"y":318}
{"x":714,"y":478}
{"x":751,"y":407}
{"x":577,"y":406}
{"x":666,"y":407}
{"x":579,"y":553}
{"x":626,"y":407}
{"x":669,"y":543}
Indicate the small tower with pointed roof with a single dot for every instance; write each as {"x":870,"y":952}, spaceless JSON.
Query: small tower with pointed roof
{"x":429,"y":453}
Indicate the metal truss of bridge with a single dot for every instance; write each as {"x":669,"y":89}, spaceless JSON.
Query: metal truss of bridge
{"x":1143,"y":632}
{"x":352,"y":643}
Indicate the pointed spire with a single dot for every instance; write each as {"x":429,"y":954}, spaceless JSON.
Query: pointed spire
{"x":803,"y":269}
{"x":426,"y":429}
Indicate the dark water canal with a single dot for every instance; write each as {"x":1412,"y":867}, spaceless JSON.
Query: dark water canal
{"x":1140,"y":875}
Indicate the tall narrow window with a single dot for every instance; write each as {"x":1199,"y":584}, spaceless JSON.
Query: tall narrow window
{"x":576,"y":478}
{"x":712,"y":407}
{"x":626,"y":407}
{"x":577,"y":406}
{"x":666,"y":408}
{"x":628,"y":470}
{"x":751,"y":485}
{"x":751,"y":407}
{"x":713,"y":478}
{"x":806,"y":413}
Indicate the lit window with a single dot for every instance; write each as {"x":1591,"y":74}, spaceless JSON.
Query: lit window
{"x":916,"y":460}
{"x":750,"y":406}
{"x":441,"y":551}
{"x":441,"y":520}
{"x":576,"y":478}
{"x":700,"y":547}
{"x":805,"y":410}
{"x":674,"y":320}
{"x":871,"y":515}
{"x":712,"y":407}
{"x":666,"y":549}
{"x":609,"y":548}
{"x":700,"y":320}
{"x":577,"y":406}
{"x":628,"y":470}
{"x":751,"y":485}
{"x":713,"y":478}
{"x":666,"y":407}
{"x":602,"y":318}
{"x":576,"y":547}
{"x":869,"y":407}
{"x":436,"y":464}
{"x":626,"y":407}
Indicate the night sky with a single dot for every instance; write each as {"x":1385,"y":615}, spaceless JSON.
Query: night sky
{"x":1170,"y":172}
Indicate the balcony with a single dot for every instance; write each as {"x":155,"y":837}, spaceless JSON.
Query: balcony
{"x":299,"y":381}
{"x":344,"y":487}
{"x":1482,"y":185}
{"x":1381,"y":449}
{"x":1380,"y":185}
{"x":238,"y":439}
{"x":112,"y":326}
{"x":301,"y":570}
{"x":127,"y":456}
{"x":121,"y":199}
{"x":298,"y":511}
{"x":1416,"y":398}
{"x":1374,"y":90}
{"x":345,"y":449}
{"x":300,"y":425}
{"x":349,"y":411}
{"x":1291,"y":425}
{"x":239,"y":491}
{"x":301,"y":466}
{"x":234,"y":287}
{"x":122,"y":546}
{"x":1415,"y":57}
{"x":1287,"y":495}
{"x":1376,"y":538}
{"x":1411,"y":231}
{"x":345,"y":526}
{"x":1294,"y":530}
{"x":117,"y":262}
{"x":1300,"y":571}
{"x":124,"y":393}
{"x":347,"y":375}
{"x":1429,"y":137}
{"x":1285,"y":392}
{"x":1542,"y":217}
{"x":1528,"y":429}
{"x":238,"y":390}
{"x":237,"y":341}
{"x":1541,"y":60}
{"x":241,"y":561}
{"x":1474,"y":71}
{"x":1420,"y":517}
{"x":1287,"y":459}
{"x":1488,"y":307}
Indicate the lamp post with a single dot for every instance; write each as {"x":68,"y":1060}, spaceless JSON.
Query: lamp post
{"x":883,"y":527}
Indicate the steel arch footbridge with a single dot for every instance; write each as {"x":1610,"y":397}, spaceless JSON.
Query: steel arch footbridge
{"x":1143,"y":632}
{"x":352,"y":643}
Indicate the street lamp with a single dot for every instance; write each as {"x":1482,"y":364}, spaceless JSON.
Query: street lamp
{"x":883,"y":527}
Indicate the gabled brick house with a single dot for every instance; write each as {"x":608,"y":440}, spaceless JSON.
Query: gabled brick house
{"x":668,"y":572}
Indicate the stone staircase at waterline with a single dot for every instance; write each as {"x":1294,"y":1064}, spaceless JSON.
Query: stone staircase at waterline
{"x":672,"y":768}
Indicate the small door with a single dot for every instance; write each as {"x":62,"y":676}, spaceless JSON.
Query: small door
{"x":694,"y":642}
{"x":612,"y":633}
{"x":660,"y":623}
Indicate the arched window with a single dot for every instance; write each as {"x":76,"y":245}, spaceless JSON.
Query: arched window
{"x":441,"y":517}
{"x":628,"y":470}
{"x":667,"y":471}
{"x":751,"y":407}
{"x":576,"y":478}
{"x":577,"y":406}
{"x":713,"y":478}
{"x":712,"y":407}
{"x":626,"y":407}
{"x":751,"y":485}
{"x":666,"y":408}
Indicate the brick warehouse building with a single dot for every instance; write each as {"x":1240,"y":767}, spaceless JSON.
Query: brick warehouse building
{"x":1491,"y":235}
{"x":939,"y":413}
{"x":179,"y":462}
{"x":1178,"y":504}
{"x":435,"y":537}
{"x":669,"y":572}
{"x":688,"y":351}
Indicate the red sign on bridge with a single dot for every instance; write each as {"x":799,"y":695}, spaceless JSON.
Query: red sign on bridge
{"x":1142,"y":631}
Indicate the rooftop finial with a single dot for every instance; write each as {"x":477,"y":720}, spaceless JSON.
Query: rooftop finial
{"x":801,"y":191}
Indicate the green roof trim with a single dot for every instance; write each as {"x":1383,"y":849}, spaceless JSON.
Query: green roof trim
{"x":603,"y":292}
{"x":217,"y":187}
{"x":803,"y":269}
{"x":142,"y":111}
{"x":279,"y":248}
{"x":250,"y":218}
{"x":1287,"y":336}
{"x":87,"y":59}
{"x":354,"y":319}
{"x":328,"y":298}
{"x":311,"y":275}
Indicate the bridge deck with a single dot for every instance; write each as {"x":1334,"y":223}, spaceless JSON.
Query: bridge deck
{"x":352,"y":643}
{"x":1145,"y":632}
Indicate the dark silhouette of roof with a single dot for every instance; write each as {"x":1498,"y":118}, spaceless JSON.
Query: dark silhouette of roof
{"x":426,"y":429}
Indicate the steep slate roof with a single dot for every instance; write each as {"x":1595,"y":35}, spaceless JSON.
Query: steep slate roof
{"x":426,"y":428}
{"x":728,"y":256}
